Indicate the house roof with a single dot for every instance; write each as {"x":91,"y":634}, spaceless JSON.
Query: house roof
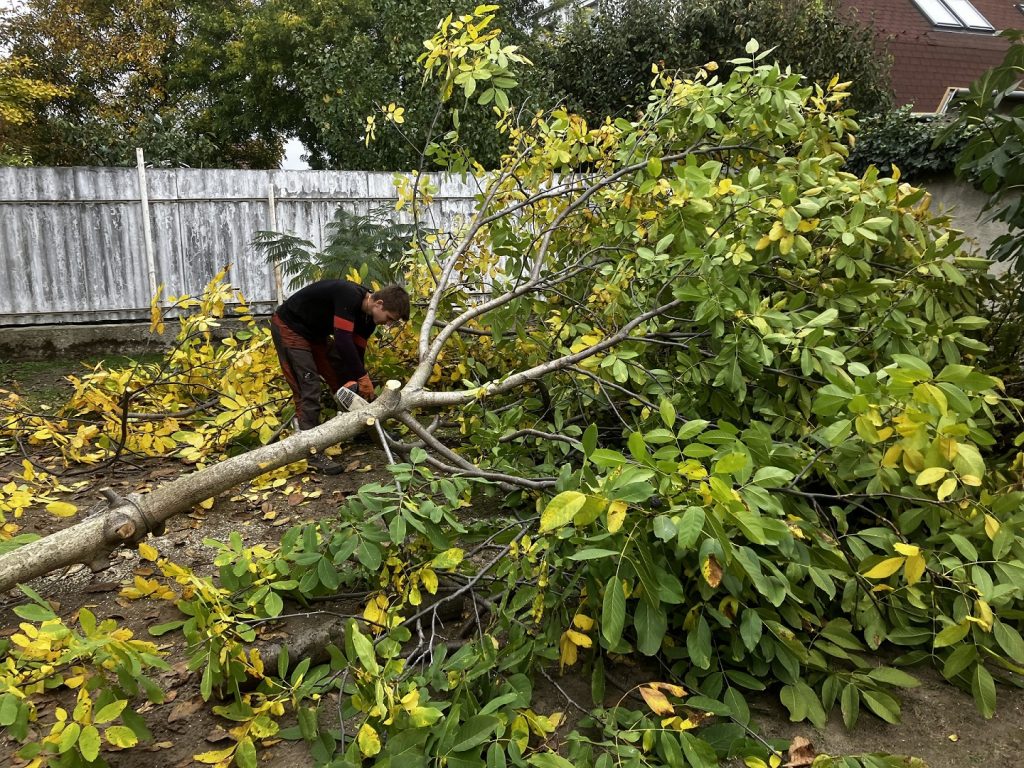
{"x":928,"y":60}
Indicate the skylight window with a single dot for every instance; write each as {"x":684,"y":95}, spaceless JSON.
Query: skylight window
{"x":954,"y":14}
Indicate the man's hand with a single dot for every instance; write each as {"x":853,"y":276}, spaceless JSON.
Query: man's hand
{"x":364,"y":388}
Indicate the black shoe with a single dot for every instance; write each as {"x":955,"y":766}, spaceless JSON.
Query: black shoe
{"x":322,"y":465}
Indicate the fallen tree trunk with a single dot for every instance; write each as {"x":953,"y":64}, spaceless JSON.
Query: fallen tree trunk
{"x":128,"y":520}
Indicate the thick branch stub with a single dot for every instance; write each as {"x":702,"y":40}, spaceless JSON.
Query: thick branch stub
{"x":124,"y":525}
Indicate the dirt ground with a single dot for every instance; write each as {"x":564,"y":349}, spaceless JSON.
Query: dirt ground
{"x":940,"y":723}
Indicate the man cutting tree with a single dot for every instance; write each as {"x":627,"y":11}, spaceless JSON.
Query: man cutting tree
{"x":301,"y":328}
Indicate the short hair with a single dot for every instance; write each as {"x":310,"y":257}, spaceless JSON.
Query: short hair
{"x":394,"y":298}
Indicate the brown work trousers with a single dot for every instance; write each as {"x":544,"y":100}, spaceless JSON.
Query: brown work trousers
{"x":304,"y":362}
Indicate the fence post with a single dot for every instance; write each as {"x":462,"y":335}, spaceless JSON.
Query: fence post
{"x":278,"y":283}
{"x":147,"y":227}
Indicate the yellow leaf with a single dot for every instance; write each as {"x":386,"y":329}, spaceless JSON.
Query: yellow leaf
{"x":946,"y":489}
{"x":972,"y":480}
{"x":583,"y":622}
{"x":675,"y":690}
{"x":369,"y":741}
{"x":561,"y":510}
{"x":914,"y":569}
{"x":985,"y":616}
{"x":429,"y":579}
{"x":61,"y":508}
{"x":991,"y":526}
{"x":148,"y":552}
{"x":930,"y":475}
{"x":216,"y":756}
{"x":891,"y":460}
{"x":906,"y":549}
{"x":616,"y":515}
{"x":578,"y":638}
{"x":657,"y":701}
{"x":568,"y":652}
{"x":886,"y":568}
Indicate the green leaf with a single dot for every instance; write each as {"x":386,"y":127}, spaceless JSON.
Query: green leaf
{"x":698,"y":644}
{"x":69,"y":737}
{"x":474,"y":732}
{"x":794,"y":703}
{"x":245,"y":754}
{"x":892,"y":676}
{"x":561,"y":509}
{"x":589,"y":440}
{"x":162,"y":629}
{"x":772,"y":477}
{"x":364,"y":650}
{"x":549,"y":760}
{"x":110,"y":712}
{"x":121,"y":736}
{"x":668,"y":412}
{"x":951,"y":635}
{"x":692,"y":428}
{"x":273,"y":604}
{"x":651,"y":623}
{"x":689,"y":527}
{"x":613,"y":612}
{"x":593,"y":553}
{"x":751,"y":628}
{"x":9,"y":706}
{"x":826,"y":317}
{"x":961,"y":658}
{"x":1009,"y":640}
{"x":983,"y":688}
{"x":836,"y":433}
{"x":32,"y":612}
{"x":883,"y":705}
{"x":89,"y":743}
{"x":849,"y":705}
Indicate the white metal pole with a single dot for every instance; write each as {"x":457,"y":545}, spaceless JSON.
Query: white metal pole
{"x":278,"y":283}
{"x":147,"y":227}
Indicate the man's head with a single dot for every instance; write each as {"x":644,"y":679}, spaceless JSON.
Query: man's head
{"x":388,"y":305}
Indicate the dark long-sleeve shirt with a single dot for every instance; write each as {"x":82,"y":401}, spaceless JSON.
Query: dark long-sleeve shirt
{"x":332,"y":306}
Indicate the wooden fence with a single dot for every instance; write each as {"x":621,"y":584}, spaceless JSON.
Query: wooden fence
{"x":89,"y":245}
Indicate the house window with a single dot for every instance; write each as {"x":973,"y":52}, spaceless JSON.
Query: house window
{"x":954,"y":14}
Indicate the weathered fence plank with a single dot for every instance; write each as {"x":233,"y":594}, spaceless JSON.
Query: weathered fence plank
{"x":72,"y":247}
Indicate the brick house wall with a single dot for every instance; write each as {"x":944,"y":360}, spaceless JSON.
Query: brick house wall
{"x":929,"y":60}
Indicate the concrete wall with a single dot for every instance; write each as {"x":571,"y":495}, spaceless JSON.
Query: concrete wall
{"x":964,"y":204}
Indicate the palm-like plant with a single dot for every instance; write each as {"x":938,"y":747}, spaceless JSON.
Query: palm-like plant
{"x":371,"y":244}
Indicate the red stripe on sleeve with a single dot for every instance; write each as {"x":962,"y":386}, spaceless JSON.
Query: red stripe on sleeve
{"x":359,"y":340}
{"x":341,"y":324}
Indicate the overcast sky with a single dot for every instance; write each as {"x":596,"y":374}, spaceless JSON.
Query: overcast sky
{"x":293,"y":161}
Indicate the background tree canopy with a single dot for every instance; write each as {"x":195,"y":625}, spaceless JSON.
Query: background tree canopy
{"x":224,"y":86}
{"x":620,"y":42}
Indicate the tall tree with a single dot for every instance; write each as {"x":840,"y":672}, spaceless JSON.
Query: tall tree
{"x":118,"y":67}
{"x":19,"y":97}
{"x":342,"y":62}
{"x":619,"y":43}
